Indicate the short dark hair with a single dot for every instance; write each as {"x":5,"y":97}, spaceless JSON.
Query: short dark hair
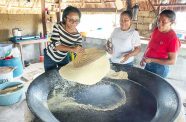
{"x":170,"y":14}
{"x":68,"y":10}
{"x":128,"y":13}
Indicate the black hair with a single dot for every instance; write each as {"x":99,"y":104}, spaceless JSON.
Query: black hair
{"x":170,"y":14}
{"x":68,"y":10}
{"x":128,"y":13}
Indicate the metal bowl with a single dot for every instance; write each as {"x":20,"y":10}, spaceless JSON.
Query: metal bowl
{"x":148,"y":98}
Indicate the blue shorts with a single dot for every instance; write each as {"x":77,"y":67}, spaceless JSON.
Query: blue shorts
{"x":49,"y":64}
{"x":159,"y":69}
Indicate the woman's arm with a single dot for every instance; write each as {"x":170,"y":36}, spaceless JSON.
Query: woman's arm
{"x":136,"y":51}
{"x":171,"y":60}
{"x":76,"y":49}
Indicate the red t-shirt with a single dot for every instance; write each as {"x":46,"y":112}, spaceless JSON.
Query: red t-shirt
{"x":161,"y":44}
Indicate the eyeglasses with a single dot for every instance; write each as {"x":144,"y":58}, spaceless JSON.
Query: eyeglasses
{"x":124,"y":21}
{"x":72,"y":21}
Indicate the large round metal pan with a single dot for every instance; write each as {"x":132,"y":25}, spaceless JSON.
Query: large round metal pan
{"x":149,"y":98}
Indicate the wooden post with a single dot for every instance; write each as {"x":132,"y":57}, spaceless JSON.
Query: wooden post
{"x":58,"y":14}
{"x":43,"y":17}
{"x":129,"y":5}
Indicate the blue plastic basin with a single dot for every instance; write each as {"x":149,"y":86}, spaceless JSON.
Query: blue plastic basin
{"x":12,"y":97}
{"x":14,"y":62}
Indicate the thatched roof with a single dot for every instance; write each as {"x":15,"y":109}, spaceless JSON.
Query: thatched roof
{"x":34,"y":6}
{"x":176,"y":5}
{"x":144,"y":5}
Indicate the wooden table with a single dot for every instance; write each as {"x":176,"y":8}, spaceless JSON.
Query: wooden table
{"x":27,"y":42}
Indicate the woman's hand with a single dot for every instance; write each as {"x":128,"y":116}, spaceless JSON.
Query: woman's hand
{"x":125,"y":58}
{"x":78,"y":49}
{"x":109,"y":47}
{"x":110,"y":52}
{"x":145,"y":60}
{"x":148,"y":60}
{"x":142,"y":62}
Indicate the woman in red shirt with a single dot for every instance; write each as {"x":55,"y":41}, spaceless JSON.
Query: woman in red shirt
{"x":163,"y":46}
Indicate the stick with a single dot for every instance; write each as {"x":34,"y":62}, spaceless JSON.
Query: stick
{"x":11,"y":89}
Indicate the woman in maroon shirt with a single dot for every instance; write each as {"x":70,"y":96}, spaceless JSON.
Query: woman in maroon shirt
{"x":163,"y":46}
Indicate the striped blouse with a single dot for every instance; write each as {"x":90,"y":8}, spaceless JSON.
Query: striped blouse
{"x":61,"y":37}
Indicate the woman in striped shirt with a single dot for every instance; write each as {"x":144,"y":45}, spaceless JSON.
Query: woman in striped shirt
{"x":65,"y":38}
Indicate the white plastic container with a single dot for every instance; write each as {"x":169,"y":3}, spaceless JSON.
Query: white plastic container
{"x":16,"y":32}
{"x":4,"y":48}
{"x":6,"y":74}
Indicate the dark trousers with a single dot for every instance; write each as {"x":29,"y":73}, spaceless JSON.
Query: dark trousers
{"x":49,"y":64}
{"x":121,"y":67}
{"x":159,"y":69}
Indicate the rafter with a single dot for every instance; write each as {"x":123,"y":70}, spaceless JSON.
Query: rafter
{"x":171,"y":5}
{"x":152,"y":7}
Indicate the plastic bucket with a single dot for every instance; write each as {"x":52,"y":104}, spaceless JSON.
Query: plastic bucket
{"x":41,"y":58}
{"x":15,"y":63}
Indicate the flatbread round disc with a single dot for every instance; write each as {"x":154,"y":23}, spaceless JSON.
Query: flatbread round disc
{"x":89,"y":56}
{"x":88,"y":74}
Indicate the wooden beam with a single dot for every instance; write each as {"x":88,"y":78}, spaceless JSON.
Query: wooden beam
{"x":158,"y":10}
{"x":83,"y":3}
{"x":170,"y":5}
{"x":108,"y":1}
{"x":152,"y":7}
{"x":16,"y":7}
{"x":58,"y":14}
{"x":98,"y":10}
{"x":43,"y":17}
{"x":93,"y":1}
